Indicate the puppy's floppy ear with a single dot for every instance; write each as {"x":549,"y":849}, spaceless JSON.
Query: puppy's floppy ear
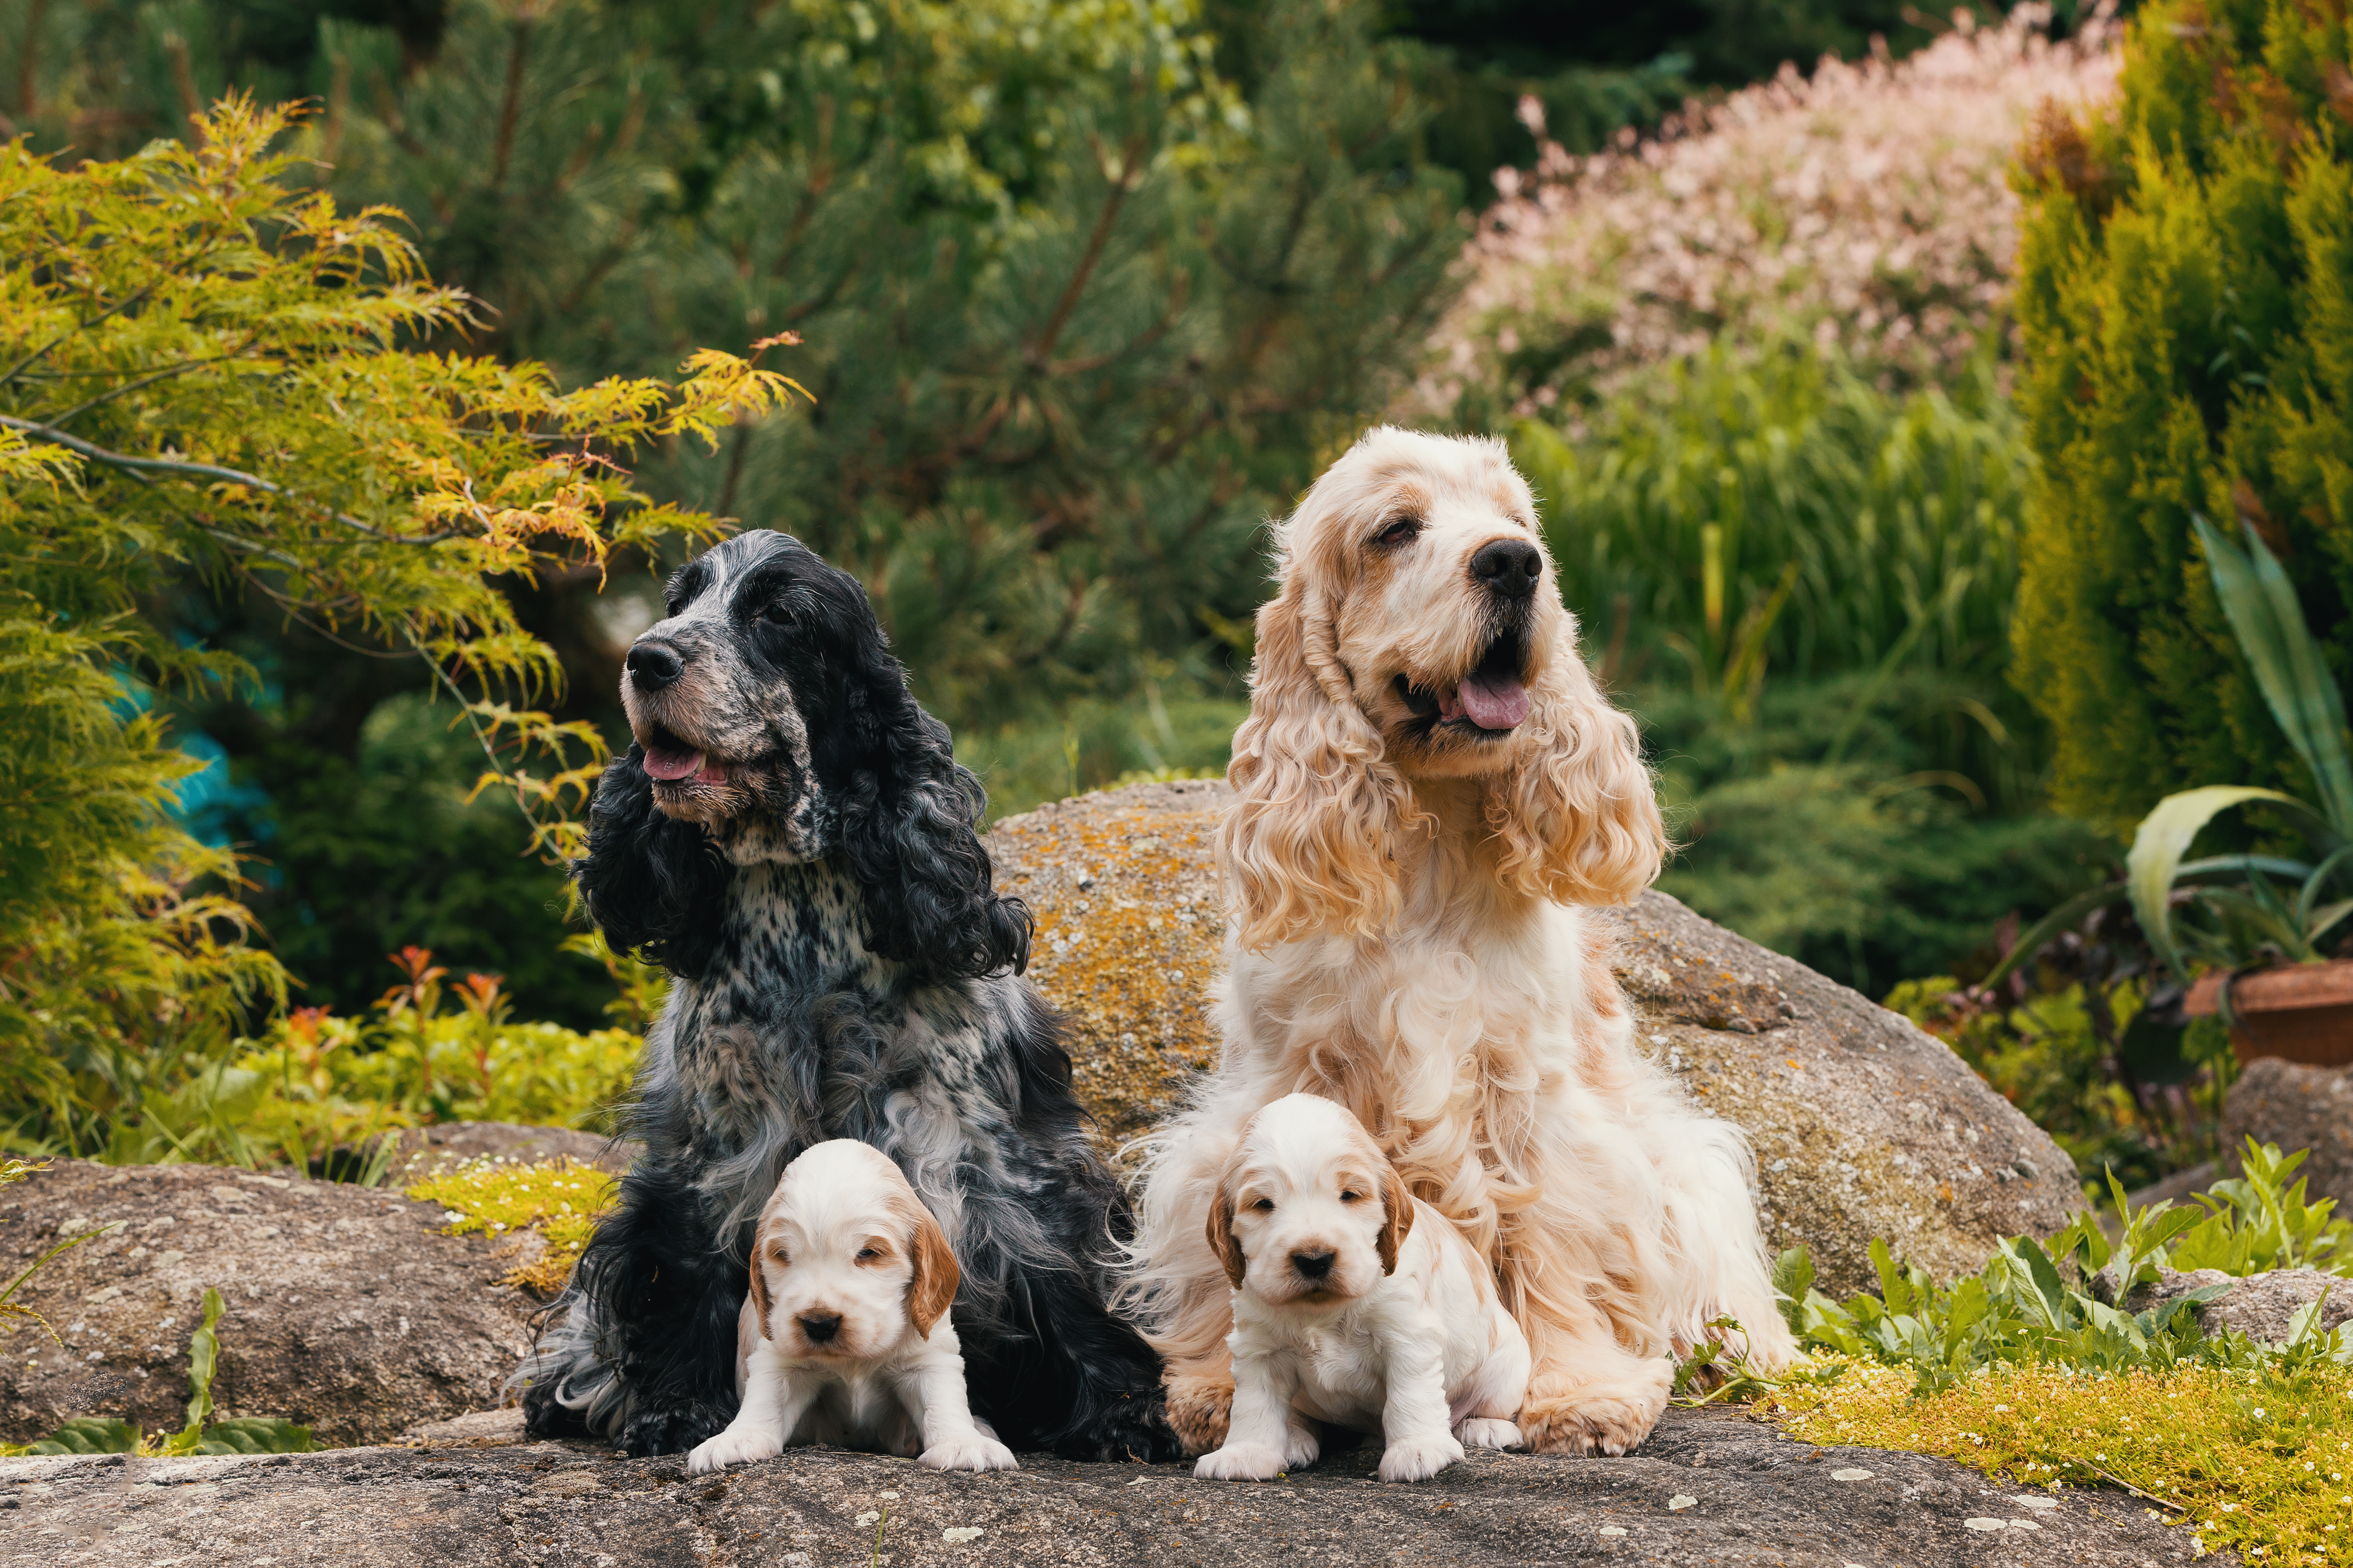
{"x":1308,"y":843}
{"x":1221,"y":1234}
{"x":1221,"y":1226}
{"x":910,"y":826}
{"x":1577,"y":821}
{"x":760,"y":1285}
{"x":647,"y":881}
{"x":1397,"y":1215}
{"x":933,"y":1287}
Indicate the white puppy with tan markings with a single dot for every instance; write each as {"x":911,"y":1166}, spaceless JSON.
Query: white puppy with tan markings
{"x":1355,"y":1303}
{"x":845,"y":1338}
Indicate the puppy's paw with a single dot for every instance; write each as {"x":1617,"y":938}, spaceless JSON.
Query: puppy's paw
{"x":1486,"y":1432}
{"x":1240,"y":1462}
{"x":1300,"y":1447}
{"x":733,"y":1447}
{"x":1418,"y":1459}
{"x":972,"y":1452}
{"x":1198,"y":1409}
{"x":1592,"y":1420}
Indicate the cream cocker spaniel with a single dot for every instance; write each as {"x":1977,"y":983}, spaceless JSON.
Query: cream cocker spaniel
{"x":1355,"y":1303}
{"x":1431,"y":785}
{"x":845,"y":1338}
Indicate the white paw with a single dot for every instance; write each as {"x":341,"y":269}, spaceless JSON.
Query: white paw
{"x":732,"y":1446}
{"x":1418,"y":1459}
{"x":1485,"y":1432}
{"x":1240,"y":1462}
{"x":971,"y":1453}
{"x":1300,"y":1448}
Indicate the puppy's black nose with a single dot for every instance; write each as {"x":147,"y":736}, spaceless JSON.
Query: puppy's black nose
{"x":1311,"y":1264}
{"x":1508,"y":568}
{"x":820,"y":1327}
{"x":653,"y":664}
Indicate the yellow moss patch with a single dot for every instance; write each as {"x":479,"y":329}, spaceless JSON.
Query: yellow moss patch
{"x":1128,"y":942}
{"x":2248,"y":1460}
{"x":559,"y":1200}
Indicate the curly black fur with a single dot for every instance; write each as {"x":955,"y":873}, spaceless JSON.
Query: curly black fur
{"x":807,"y":863}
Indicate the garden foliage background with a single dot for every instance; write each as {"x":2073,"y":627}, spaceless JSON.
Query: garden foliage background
{"x":1081,"y":292}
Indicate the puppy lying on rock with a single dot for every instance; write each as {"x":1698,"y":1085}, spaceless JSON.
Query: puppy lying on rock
{"x":1355,"y":1303}
{"x":845,"y":1338}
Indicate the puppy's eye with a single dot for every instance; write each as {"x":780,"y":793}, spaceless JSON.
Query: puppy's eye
{"x":1264,"y":1205}
{"x":1350,"y":1197}
{"x":1400,"y":532}
{"x":868,"y":1254}
{"x":778,"y":613}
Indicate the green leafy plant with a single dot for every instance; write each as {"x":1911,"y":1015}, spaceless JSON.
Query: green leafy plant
{"x":2245,"y":916}
{"x":2034,"y":1303}
{"x":323,"y":1086}
{"x":201,"y":1434}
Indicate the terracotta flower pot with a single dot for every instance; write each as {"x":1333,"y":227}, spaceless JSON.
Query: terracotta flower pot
{"x":2301,"y":1012}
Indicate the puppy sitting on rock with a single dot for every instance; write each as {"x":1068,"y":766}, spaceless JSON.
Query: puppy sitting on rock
{"x":1355,"y":1303}
{"x":845,"y":1338}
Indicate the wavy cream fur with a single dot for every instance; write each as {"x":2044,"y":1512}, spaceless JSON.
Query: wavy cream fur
{"x":1407,"y":940}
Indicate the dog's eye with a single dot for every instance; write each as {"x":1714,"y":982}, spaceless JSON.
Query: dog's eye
{"x":1264,"y":1205}
{"x":778,"y":613}
{"x":1401,"y":531}
{"x":867,"y":1254}
{"x":1350,"y":1197}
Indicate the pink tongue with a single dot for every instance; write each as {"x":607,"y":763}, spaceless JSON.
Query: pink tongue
{"x":673,"y":765}
{"x":1495,"y":705}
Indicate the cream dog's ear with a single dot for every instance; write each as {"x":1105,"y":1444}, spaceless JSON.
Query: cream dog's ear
{"x":1308,"y":843}
{"x":1577,"y":822}
{"x":1397,"y":1215}
{"x":932,"y":1288}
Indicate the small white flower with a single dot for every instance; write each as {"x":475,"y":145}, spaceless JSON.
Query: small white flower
{"x":957,"y":1534}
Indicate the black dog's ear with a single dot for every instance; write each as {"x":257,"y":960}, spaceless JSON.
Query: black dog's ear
{"x":911,"y":830}
{"x":650,"y":883}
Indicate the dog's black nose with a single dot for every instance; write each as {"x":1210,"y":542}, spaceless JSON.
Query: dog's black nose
{"x":820,"y":1327}
{"x":1311,"y":1264}
{"x":1508,"y":568}
{"x":653,"y":664}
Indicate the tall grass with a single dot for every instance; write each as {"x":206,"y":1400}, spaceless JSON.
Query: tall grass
{"x":1686,"y":499}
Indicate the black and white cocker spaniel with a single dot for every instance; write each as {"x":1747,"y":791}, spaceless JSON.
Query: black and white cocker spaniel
{"x":792,"y":839}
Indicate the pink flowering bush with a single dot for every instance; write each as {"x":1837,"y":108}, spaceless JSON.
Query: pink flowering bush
{"x":1867,"y":207}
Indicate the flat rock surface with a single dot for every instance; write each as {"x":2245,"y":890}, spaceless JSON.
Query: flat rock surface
{"x":1864,"y":1125}
{"x":1745,"y":1495}
{"x":2295,"y":1106}
{"x":421,"y":1151}
{"x":347,"y":1310}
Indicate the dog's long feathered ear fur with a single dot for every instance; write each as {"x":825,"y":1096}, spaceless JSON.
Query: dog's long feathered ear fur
{"x":647,"y":881}
{"x":1397,"y":1215}
{"x":932,"y":1286}
{"x":910,"y":826}
{"x":1308,"y":845}
{"x":1577,"y":822}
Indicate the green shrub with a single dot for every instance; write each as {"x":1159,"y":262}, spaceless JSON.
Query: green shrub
{"x":430,"y":1052}
{"x":204,"y":386}
{"x":2186,"y":295}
